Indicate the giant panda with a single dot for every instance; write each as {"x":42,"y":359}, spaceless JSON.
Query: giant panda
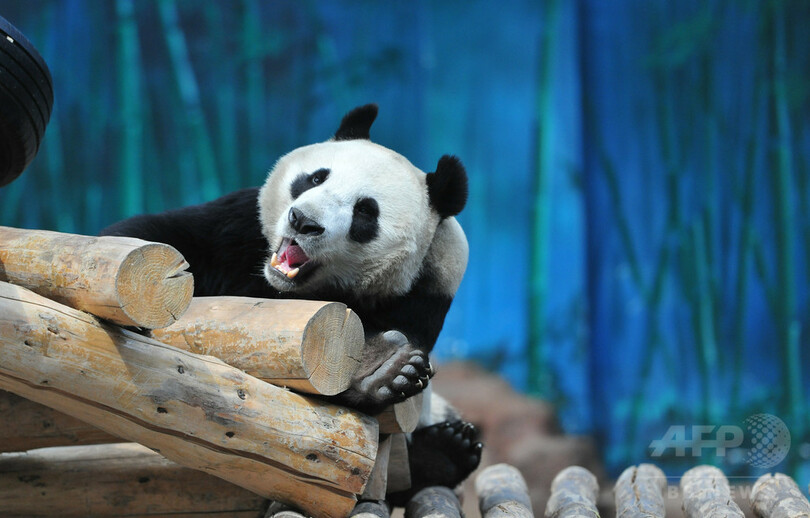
{"x":351,"y":221}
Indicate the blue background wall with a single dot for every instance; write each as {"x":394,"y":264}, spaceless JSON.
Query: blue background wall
{"x":638,"y":218}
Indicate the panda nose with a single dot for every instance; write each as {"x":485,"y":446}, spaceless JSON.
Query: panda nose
{"x":303,"y":224}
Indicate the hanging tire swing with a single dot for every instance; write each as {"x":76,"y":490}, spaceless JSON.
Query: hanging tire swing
{"x":26,"y":101}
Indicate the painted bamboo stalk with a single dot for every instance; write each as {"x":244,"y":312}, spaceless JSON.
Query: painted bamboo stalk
{"x":131,"y":181}
{"x":189,"y":92}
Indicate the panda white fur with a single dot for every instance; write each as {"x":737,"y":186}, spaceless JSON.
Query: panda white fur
{"x":351,"y":221}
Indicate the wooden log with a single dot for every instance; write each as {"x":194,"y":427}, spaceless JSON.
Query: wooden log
{"x":309,"y":346}
{"x":778,"y":496}
{"x":371,"y":509}
{"x":434,"y":502}
{"x":280,"y":510}
{"x":639,"y":492}
{"x":502,"y":492}
{"x":114,"y":480}
{"x":574,"y":492}
{"x":127,"y":281}
{"x":399,"y":469}
{"x":377,"y":485}
{"x":195,"y":410}
{"x":402,"y":417}
{"x":25,"y":425}
{"x":706,"y":494}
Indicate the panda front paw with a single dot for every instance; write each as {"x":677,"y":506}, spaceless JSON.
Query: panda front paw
{"x":392,"y":371}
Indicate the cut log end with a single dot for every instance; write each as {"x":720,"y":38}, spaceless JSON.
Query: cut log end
{"x":331,"y":348}
{"x":153,"y":286}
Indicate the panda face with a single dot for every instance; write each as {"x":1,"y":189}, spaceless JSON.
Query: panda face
{"x":351,"y":215}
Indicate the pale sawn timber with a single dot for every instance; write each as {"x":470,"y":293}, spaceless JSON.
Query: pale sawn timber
{"x":778,"y":496}
{"x":127,"y":281}
{"x":309,"y":346}
{"x":502,"y":493}
{"x":196,"y":410}
{"x":638,"y":492}
{"x":706,"y":494}
{"x":574,"y":492}
{"x":114,"y":480}
{"x":401,"y":417}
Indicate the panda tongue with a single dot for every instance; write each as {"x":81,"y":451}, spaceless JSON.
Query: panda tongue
{"x":295,"y":256}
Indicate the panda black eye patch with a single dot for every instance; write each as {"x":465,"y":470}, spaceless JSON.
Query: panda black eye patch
{"x":365,"y":220}
{"x":304,"y":182}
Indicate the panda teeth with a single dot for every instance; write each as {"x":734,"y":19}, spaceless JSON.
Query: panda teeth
{"x":274,"y":260}
{"x":292,"y":273}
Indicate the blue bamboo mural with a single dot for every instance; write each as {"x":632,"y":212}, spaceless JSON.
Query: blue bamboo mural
{"x":639,"y":219}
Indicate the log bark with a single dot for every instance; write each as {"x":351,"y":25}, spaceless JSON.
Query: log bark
{"x":434,"y":502}
{"x":639,"y":492}
{"x":402,"y":417}
{"x":574,"y":492}
{"x":375,"y":509}
{"x":114,"y":480}
{"x":25,"y":425}
{"x":706,"y":494}
{"x":127,"y":281}
{"x":502,"y":493}
{"x":195,"y":410}
{"x":778,"y":496}
{"x":309,"y":346}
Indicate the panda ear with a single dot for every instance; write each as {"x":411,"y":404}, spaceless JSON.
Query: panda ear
{"x":357,"y":123}
{"x":447,"y":187}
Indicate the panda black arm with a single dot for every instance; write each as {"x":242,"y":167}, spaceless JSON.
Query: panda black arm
{"x":221,"y":240}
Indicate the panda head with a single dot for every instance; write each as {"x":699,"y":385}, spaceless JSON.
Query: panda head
{"x":352,"y":215}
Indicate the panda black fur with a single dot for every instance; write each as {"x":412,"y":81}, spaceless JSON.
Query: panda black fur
{"x":351,"y":221}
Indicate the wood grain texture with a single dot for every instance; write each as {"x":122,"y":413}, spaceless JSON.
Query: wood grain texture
{"x":706,"y":494}
{"x":127,"y":281}
{"x":26,"y":425}
{"x":309,"y":346}
{"x":434,"y":502}
{"x":639,"y":492}
{"x":778,"y":496}
{"x":196,"y":410}
{"x":402,"y":417}
{"x":574,"y":492}
{"x":502,"y":493}
{"x":114,"y":480}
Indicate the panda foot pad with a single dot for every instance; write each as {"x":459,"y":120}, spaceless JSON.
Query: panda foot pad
{"x":457,"y":446}
{"x":405,"y":372}
{"x":443,"y":454}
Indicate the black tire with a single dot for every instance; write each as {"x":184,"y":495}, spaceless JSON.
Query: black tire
{"x":26,"y":101}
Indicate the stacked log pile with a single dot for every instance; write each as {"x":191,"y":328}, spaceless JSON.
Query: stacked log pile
{"x":208,"y":389}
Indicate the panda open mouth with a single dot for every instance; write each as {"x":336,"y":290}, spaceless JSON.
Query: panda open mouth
{"x":290,"y":260}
